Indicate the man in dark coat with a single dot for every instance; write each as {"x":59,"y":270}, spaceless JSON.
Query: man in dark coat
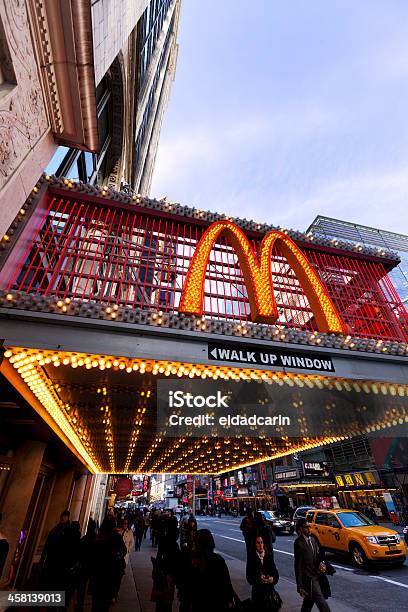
{"x":56,"y":557}
{"x":107,"y":565}
{"x":310,"y":570}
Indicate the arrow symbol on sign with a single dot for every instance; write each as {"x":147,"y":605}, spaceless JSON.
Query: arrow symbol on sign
{"x":214,"y":353}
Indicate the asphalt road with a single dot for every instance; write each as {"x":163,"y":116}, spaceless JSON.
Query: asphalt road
{"x":377,"y":589}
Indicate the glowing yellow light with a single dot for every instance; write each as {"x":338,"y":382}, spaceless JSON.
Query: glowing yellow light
{"x":258,"y":276}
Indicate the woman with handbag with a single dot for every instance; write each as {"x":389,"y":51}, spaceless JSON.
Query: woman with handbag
{"x":262,"y":575}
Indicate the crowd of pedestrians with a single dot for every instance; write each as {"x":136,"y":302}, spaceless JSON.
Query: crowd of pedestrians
{"x":94,"y":563}
{"x":186,"y":567}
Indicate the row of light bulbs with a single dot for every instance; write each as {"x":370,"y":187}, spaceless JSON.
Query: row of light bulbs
{"x":276,"y":333}
{"x":28,"y":363}
{"x":41,"y":386}
{"x":184,"y":370}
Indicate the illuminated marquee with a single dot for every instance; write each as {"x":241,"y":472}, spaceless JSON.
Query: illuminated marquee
{"x":257,"y":273}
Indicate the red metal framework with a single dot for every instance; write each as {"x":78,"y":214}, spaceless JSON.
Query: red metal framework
{"x":124,"y":255}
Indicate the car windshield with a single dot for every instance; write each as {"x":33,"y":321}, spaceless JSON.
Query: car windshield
{"x":354,"y":519}
{"x":272,"y":515}
{"x":302,"y":511}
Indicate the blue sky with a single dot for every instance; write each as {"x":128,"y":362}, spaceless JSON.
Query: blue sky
{"x":284,"y":110}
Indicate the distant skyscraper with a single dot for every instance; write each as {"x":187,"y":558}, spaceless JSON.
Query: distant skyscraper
{"x":369,"y":237}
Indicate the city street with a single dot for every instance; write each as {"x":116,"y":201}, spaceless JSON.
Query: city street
{"x":378,"y":588}
{"x":203,"y":303}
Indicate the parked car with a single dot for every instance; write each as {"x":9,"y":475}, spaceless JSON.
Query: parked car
{"x":352,"y":533}
{"x":279,"y":523}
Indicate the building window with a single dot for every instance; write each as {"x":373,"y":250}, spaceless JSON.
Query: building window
{"x":82,"y":165}
{"x":149,"y":31}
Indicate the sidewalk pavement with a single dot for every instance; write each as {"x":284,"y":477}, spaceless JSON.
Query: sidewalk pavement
{"x":140,"y":561}
{"x":128,"y":598}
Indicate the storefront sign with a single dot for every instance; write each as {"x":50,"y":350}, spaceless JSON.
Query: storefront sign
{"x":243,"y":491}
{"x":259,"y":277}
{"x":292,"y":474}
{"x":123,"y":486}
{"x":357,"y":479}
{"x":285,"y":358}
{"x":316,"y":468}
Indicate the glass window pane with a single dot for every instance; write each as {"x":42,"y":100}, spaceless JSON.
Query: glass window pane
{"x":89,"y":164}
{"x":56,"y":160}
{"x":103,"y":124}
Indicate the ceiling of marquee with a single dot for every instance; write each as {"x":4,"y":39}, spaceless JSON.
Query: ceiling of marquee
{"x":106,"y":407}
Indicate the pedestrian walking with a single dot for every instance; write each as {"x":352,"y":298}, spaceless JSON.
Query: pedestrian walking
{"x":146,"y":525}
{"x":139,"y":530}
{"x":127,"y":536}
{"x":183,"y":530}
{"x":56,"y":556}
{"x":107,"y":565}
{"x":262,"y":575}
{"x":154,"y":527}
{"x":73,"y":553}
{"x":248,"y":529}
{"x":209,"y":584}
{"x":264,"y":529}
{"x":165,"y":570}
{"x":190,"y":534}
{"x":405,"y":532}
{"x":310,"y":569}
{"x":85,"y":551}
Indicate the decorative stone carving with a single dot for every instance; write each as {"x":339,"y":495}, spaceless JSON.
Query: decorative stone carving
{"x":40,"y":28}
{"x":23,"y":116}
{"x":116,"y":146}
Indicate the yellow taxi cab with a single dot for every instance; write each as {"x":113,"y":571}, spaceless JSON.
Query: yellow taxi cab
{"x":352,"y":533}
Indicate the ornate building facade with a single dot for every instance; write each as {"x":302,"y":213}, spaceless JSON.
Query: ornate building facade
{"x":83,"y":89}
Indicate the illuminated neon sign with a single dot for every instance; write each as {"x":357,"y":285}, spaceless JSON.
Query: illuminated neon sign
{"x":258,"y":279}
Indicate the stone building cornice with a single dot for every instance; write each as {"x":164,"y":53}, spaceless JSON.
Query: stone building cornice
{"x":62,"y":35}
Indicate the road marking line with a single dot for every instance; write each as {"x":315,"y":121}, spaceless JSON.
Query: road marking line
{"x":227,"y":556}
{"x":231,"y":522}
{"x":229,"y":538}
{"x":231,"y":529}
{"x":284,"y":552}
{"x":391,"y":581}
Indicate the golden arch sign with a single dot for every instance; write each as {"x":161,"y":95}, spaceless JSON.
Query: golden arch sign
{"x":257,"y":273}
